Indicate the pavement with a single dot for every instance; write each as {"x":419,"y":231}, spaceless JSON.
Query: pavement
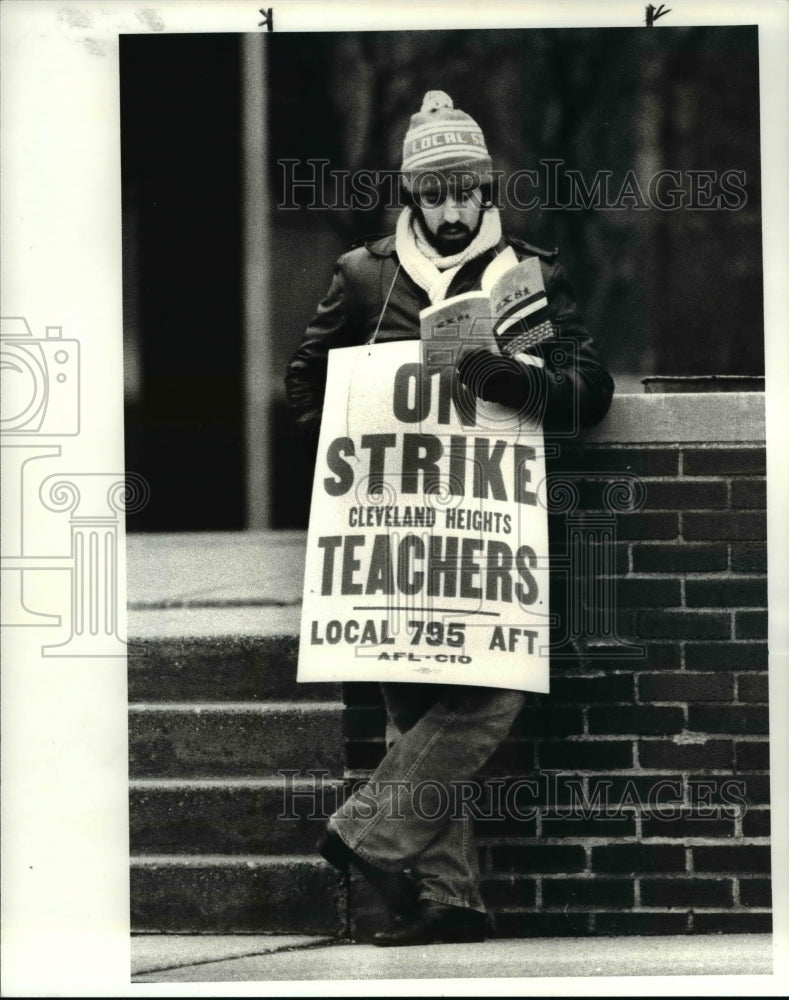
{"x":238,"y":958}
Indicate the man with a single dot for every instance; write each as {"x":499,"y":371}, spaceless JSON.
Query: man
{"x":423,"y":860}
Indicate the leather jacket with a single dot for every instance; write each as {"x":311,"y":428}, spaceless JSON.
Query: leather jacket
{"x":370,"y":295}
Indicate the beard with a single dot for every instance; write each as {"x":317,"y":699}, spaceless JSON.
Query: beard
{"x":451,"y":238}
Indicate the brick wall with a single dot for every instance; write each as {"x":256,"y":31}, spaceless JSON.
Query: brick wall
{"x":648,"y":761}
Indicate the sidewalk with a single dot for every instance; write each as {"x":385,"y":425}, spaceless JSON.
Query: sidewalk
{"x":236,"y":958}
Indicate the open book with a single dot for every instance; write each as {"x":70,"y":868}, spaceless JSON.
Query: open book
{"x":509,"y":312}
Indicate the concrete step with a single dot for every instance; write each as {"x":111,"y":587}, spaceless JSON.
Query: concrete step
{"x":219,"y":840}
{"x":283,"y":815}
{"x":219,"y":667}
{"x":223,"y":739}
{"x":212,"y":569}
{"x":286,"y":894}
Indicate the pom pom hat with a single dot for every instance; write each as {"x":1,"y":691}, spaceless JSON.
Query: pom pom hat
{"x":442,"y":140}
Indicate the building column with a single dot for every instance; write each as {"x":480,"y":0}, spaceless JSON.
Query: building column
{"x":259,"y":378}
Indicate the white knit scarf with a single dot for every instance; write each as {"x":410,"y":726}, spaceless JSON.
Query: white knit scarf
{"x":425,"y":264}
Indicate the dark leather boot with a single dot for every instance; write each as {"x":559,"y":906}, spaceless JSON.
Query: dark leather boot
{"x":436,"y":923}
{"x":398,"y":890}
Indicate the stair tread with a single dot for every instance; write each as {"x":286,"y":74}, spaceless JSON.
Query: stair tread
{"x":264,"y":782}
{"x":229,"y":707}
{"x":214,"y":623}
{"x":227,"y":860}
{"x":169,"y":569}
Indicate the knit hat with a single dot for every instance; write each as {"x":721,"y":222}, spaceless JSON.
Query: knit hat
{"x":442,"y":140}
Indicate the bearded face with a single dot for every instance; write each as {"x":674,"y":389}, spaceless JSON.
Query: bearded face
{"x":450,"y":215}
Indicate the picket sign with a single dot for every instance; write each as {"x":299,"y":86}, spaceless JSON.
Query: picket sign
{"x":427,"y":551}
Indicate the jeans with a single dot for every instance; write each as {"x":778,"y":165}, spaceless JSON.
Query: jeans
{"x":404,"y":817}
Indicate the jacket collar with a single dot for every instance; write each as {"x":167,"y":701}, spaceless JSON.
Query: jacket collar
{"x":381,"y":246}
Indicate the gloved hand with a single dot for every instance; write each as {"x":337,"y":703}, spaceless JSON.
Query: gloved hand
{"x":499,"y":378}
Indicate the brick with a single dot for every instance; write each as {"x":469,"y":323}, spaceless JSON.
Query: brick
{"x":683,"y":625}
{"x":728,"y":719}
{"x":637,"y":461}
{"x":724,"y":795}
{"x":756,"y":892}
{"x":672,"y":495}
{"x":649,"y":791}
{"x":523,"y":925}
{"x":749,"y":557}
{"x":544,"y":718}
{"x":576,"y":826}
{"x":686,"y":892}
{"x":641,"y":526}
{"x":637,"y":719}
{"x":749,"y":493}
{"x":638,"y":858}
{"x":652,"y":656}
{"x":648,"y":593}
{"x":726,"y":655}
{"x":613,"y":556}
{"x":512,"y":757}
{"x":491,"y":827}
{"x":500,"y":807}
{"x":528,"y":858}
{"x":686,"y":687}
{"x":752,"y":687}
{"x":750,"y":625}
{"x":640,"y":923}
{"x":549,"y":790}
{"x":732,"y":923}
{"x":717,"y":525}
{"x":714,"y":461}
{"x":683,"y":557}
{"x":756,"y":787}
{"x":512,"y":893}
{"x":502,"y":810}
{"x":689,"y":824}
{"x":621,"y":566}
{"x":587,"y":754}
{"x":732,"y":858}
{"x":753,"y":755}
{"x":586,"y":690}
{"x":718,"y":754}
{"x":590,"y":494}
{"x":756,"y":823}
{"x":746,"y":593}
{"x":587,"y":892}
{"x":681,"y":495}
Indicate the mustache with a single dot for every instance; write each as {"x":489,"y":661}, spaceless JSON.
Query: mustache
{"x":453,"y":228}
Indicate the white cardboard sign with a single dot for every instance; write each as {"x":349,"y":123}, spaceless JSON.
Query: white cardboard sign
{"x":427,"y":552}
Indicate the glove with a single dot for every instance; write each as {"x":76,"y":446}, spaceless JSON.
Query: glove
{"x":499,"y":378}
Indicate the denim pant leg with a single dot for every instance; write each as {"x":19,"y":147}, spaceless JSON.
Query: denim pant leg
{"x":447,"y":870}
{"x":399,"y":814}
